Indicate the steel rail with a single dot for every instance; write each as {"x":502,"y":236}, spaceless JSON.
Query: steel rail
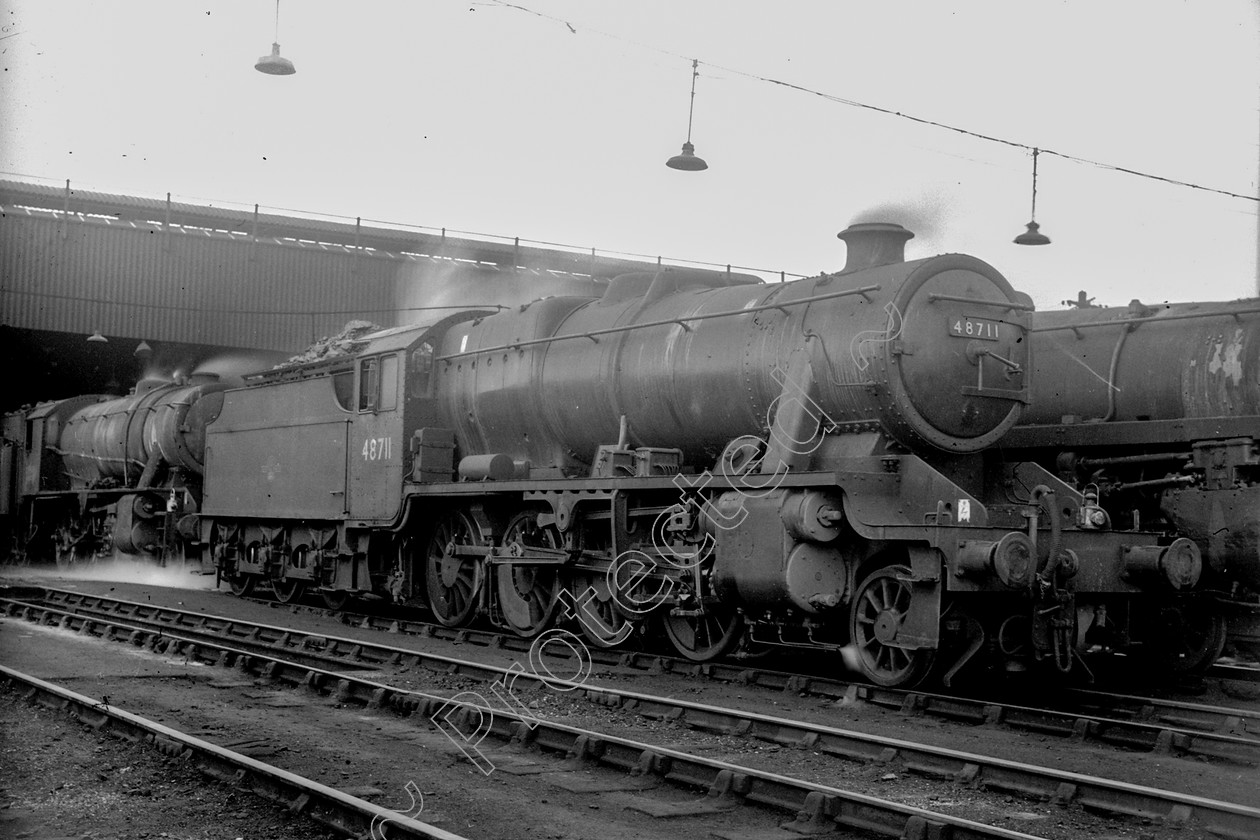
{"x":1115,"y":708}
{"x":815,"y":806}
{"x":325,"y":805}
{"x":1239,"y":673}
{"x":1128,"y":721}
{"x":1210,"y":732}
{"x":1091,"y":793}
{"x":140,"y":627}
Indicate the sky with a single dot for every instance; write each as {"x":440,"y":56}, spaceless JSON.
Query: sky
{"x":551,"y":120}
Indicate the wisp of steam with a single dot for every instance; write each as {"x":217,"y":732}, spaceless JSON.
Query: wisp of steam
{"x":119,"y":569}
{"x":922,"y":216}
{"x":232,"y":365}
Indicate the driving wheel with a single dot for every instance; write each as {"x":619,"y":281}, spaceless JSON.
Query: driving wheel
{"x":528,"y":594}
{"x":879,"y":611}
{"x":453,"y":581}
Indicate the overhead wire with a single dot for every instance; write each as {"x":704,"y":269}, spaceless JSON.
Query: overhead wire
{"x":887,"y":111}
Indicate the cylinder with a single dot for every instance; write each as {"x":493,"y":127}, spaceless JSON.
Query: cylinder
{"x":811,"y":515}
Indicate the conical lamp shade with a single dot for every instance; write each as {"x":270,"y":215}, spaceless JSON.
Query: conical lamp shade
{"x":687,"y":161}
{"x":275,"y":64}
{"x":1032,"y":236}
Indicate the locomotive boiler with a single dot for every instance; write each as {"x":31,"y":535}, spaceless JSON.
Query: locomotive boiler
{"x":1154,"y":411}
{"x":86,"y":476}
{"x":701,"y":455}
{"x":930,"y":351}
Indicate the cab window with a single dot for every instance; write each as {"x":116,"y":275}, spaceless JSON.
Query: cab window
{"x":421,"y":368}
{"x":369,"y":383}
{"x":378,"y":383}
{"x":389,"y":383}
{"x":343,"y":389}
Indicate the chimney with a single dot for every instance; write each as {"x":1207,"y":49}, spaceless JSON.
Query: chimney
{"x":874,"y":243}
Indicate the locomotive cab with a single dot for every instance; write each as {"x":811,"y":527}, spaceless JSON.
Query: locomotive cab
{"x":294,"y":504}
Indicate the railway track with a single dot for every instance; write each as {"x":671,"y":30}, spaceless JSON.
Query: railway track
{"x":726,"y":785}
{"x":1135,"y":722}
{"x":1067,"y":700}
{"x":1238,"y":673}
{"x":265,"y":650}
{"x":339,"y":811}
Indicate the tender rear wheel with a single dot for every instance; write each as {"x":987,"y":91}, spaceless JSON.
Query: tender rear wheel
{"x":242,"y":585}
{"x":288,"y":591}
{"x":453,"y":582}
{"x":335,"y":599}
{"x":878,"y":613}
{"x":528,"y":594}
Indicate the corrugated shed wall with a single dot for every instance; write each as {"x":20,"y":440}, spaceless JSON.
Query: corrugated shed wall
{"x":168,"y":283}
{"x":77,"y":261}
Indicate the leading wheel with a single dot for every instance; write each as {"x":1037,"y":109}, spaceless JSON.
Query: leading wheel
{"x":702,"y":638}
{"x":1188,"y":638}
{"x":878,"y":613}
{"x":528,"y":594}
{"x":453,"y":581}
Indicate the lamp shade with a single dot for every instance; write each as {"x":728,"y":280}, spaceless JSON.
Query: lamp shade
{"x":1032,"y":236}
{"x":275,"y":64}
{"x":687,"y":161}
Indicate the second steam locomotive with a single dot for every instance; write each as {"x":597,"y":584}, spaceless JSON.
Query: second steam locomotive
{"x":1155,"y":412}
{"x":817,"y":463}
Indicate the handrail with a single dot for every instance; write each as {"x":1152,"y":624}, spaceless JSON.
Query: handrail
{"x":593,"y":334}
{"x":1144,"y":319}
{"x":1010,"y":304}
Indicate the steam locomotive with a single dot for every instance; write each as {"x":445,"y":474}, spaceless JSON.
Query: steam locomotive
{"x":82,"y":477}
{"x":820,"y":463}
{"x":1154,"y":412}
